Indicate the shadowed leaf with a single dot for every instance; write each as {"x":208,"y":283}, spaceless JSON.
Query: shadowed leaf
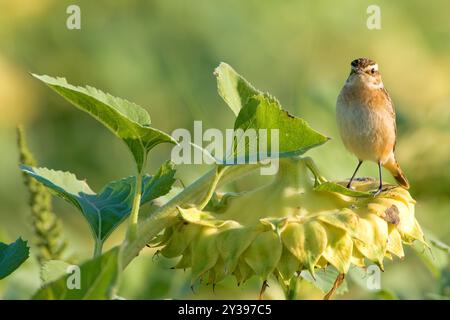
{"x":97,"y":279}
{"x":105,"y":210}
{"x":325,"y":279}
{"x":12,"y":256}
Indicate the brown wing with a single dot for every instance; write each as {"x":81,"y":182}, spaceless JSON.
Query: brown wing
{"x":391,"y":109}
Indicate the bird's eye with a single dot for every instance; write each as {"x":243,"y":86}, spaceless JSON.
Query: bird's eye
{"x":372,"y":71}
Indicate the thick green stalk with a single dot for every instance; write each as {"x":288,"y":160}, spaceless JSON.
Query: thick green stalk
{"x":133,"y":223}
{"x":165,"y":216}
{"x":291,"y":289}
{"x":134,"y":215}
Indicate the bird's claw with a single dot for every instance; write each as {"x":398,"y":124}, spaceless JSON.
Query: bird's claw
{"x":377,"y":192}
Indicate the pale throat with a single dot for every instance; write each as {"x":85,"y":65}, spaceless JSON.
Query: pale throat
{"x":366,"y":83}
{"x":377,"y":84}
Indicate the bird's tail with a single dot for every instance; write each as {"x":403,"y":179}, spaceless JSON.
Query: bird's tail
{"x":394,"y":168}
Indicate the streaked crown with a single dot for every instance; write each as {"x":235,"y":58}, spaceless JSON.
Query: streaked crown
{"x":365,"y":65}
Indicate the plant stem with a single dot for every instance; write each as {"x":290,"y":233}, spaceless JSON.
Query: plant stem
{"x":98,"y":247}
{"x":165,"y":216}
{"x":315,"y":171}
{"x":212,"y":187}
{"x":291,"y":290}
{"x":132,"y":227}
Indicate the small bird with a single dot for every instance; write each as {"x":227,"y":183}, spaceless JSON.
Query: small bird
{"x":366,"y":120}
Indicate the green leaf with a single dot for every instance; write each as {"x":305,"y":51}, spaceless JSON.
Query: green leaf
{"x":363,"y":276}
{"x":97,"y":279}
{"x":233,"y":88}
{"x":105,"y":210}
{"x":125,"y":119}
{"x":257,"y":110}
{"x":325,"y":279}
{"x":12,"y":256}
{"x":264,"y":112}
{"x":160,"y":184}
{"x":337,"y":188}
{"x":52,"y":270}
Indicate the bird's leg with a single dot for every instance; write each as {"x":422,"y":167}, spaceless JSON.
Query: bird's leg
{"x":354,"y":174}
{"x":380,"y":187}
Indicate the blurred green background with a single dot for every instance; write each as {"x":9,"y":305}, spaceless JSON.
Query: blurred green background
{"x":161,"y":55}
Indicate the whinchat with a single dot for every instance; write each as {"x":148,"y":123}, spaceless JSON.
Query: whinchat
{"x":366,"y":120}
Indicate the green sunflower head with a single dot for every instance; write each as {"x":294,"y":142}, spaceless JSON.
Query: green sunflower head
{"x":290,"y":225}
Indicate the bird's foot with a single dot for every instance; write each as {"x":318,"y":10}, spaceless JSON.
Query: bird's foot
{"x":349,"y":184}
{"x":378,"y":191}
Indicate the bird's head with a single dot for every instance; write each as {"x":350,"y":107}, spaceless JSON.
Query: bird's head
{"x":364,"y":72}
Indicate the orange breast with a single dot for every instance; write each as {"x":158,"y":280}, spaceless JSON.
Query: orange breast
{"x":365,"y":123}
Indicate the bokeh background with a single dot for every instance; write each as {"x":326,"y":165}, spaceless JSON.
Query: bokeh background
{"x":161,"y":55}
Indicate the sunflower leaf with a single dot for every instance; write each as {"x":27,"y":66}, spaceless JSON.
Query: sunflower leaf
{"x":329,"y":186}
{"x":260,"y":119}
{"x":125,"y":119}
{"x":105,"y":210}
{"x":12,"y":256}
{"x":325,"y":279}
{"x":95,"y":279}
